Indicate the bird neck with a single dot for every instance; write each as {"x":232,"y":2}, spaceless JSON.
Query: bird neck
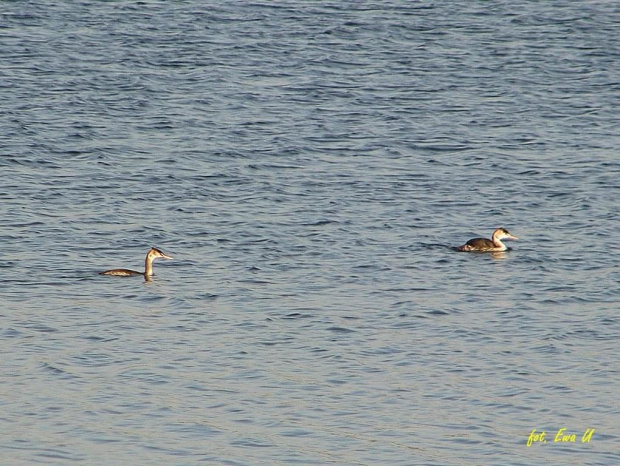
{"x":148,"y":266}
{"x":498,"y":243}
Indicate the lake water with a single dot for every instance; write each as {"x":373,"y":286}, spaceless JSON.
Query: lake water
{"x":310,"y":166}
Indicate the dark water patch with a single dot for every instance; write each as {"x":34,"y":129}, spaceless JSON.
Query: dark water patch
{"x":10,"y":332}
{"x":281,"y":341}
{"x":337,"y":329}
{"x":98,"y":339}
{"x":58,"y":454}
{"x":40,"y":328}
{"x":53,"y":369}
{"x":297,"y":315}
{"x":335,"y":154}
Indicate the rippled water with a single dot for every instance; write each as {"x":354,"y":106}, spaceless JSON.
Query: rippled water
{"x":309,"y":165}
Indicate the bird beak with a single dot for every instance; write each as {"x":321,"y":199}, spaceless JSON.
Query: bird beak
{"x":513,"y":237}
{"x":166,"y":256}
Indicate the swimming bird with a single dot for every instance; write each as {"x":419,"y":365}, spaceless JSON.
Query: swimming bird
{"x":153,"y":254}
{"x":488,"y":245}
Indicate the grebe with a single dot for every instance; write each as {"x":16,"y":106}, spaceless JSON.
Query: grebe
{"x":153,"y":254}
{"x":488,"y":245}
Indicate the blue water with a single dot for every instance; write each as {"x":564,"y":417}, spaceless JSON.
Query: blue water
{"x":310,"y":166}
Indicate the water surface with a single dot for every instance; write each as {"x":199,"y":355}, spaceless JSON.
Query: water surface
{"x":309,"y":166}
